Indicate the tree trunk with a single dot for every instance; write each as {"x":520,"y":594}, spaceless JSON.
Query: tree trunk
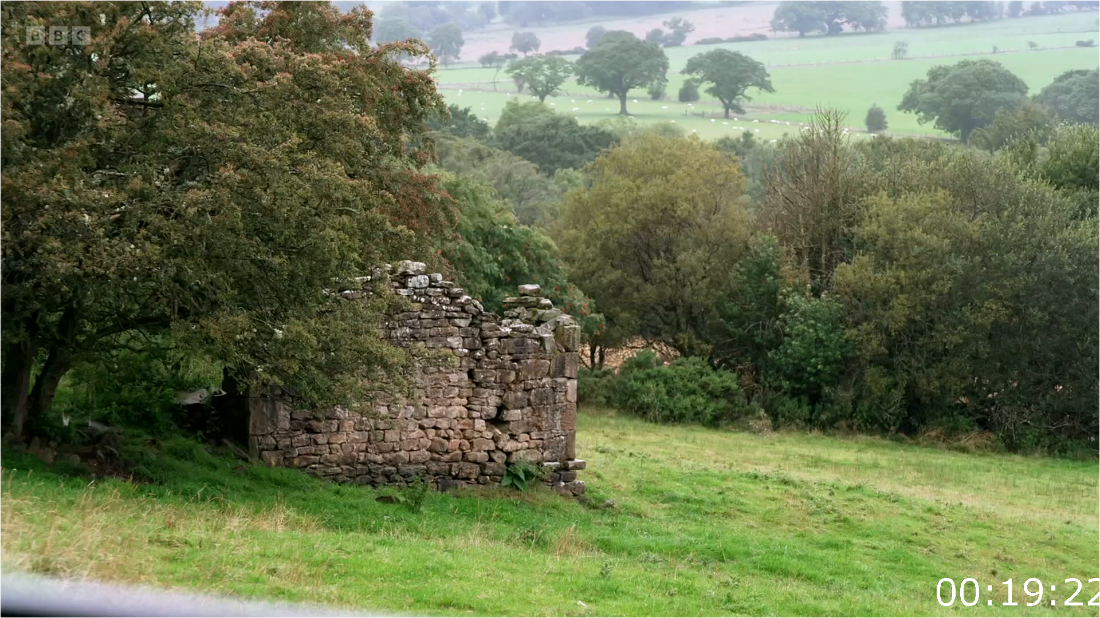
{"x":727,"y":112}
{"x":16,"y":383}
{"x":45,"y":385}
{"x":602,"y":356}
{"x":592,"y":356}
{"x":622,"y":105}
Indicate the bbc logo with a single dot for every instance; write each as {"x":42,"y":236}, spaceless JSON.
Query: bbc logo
{"x":59,"y":35}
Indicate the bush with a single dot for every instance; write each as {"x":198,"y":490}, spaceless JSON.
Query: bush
{"x":576,"y":51}
{"x":688,"y":391}
{"x":656,"y":90}
{"x":1088,"y":43}
{"x":876,"y":119}
{"x":756,"y":36}
{"x":595,"y":386}
{"x":710,"y":40}
{"x":689,"y":92}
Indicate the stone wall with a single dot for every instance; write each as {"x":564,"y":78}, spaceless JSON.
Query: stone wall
{"x":488,"y":391}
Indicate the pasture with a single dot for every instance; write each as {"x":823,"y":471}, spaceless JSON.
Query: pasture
{"x":704,"y":522}
{"x":848,"y":72}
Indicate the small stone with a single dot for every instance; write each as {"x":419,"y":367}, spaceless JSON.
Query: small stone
{"x":408,"y":267}
{"x":608,"y":504}
{"x":533,"y":289}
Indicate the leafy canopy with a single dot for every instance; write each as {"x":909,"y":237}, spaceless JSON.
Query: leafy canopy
{"x":965,"y":96}
{"x":621,"y":63}
{"x":730,"y":74}
{"x":541,"y":74}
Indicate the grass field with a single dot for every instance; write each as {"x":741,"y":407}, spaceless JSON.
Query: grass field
{"x":706,"y":522}
{"x":848,"y":72}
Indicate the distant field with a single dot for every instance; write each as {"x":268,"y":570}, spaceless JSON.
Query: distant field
{"x":848,"y":72}
{"x":706,"y":522}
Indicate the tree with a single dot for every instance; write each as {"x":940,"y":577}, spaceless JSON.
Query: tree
{"x":525,"y":42}
{"x":621,"y":63}
{"x":554,"y":142}
{"x":594,"y":35}
{"x":492,"y":59}
{"x":678,"y":31}
{"x":656,"y":90}
{"x":965,"y":96}
{"x":901,"y":50}
{"x":876,"y":119}
{"x":460,"y":122}
{"x":828,"y":17}
{"x":1015,"y":8}
{"x":493,"y":252}
{"x":730,"y":74}
{"x":1073,"y":96}
{"x":689,"y":92}
{"x":447,"y":42}
{"x":654,"y":234}
{"x":488,"y":11}
{"x":174,"y":189}
{"x":541,"y":74}
{"x":390,"y":30}
{"x":655,"y":36}
{"x":1028,"y":121}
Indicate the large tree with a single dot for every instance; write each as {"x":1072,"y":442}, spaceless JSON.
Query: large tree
{"x":828,"y":17}
{"x":965,"y":96}
{"x":156,"y":181}
{"x":654,"y":234}
{"x":1073,"y":96}
{"x":730,"y":74}
{"x":525,"y":43}
{"x":554,"y":142}
{"x":447,"y":42}
{"x":621,"y":63}
{"x":541,"y":74}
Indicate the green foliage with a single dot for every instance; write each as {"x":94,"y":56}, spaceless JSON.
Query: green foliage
{"x":963,"y":97}
{"x":687,"y":391}
{"x":1073,"y":96}
{"x":516,"y":113}
{"x":815,"y":349}
{"x":594,"y":35}
{"x":161,"y":188}
{"x":493,"y":252}
{"x":689,"y":92}
{"x":391,"y":30}
{"x":901,"y":50}
{"x":492,"y":59}
{"x":745,"y":328}
{"x":828,"y":17}
{"x":460,"y":122}
{"x":1029,"y":121}
{"x":521,"y":475}
{"x":678,"y":31}
{"x":920,"y":14}
{"x":651,"y":237}
{"x":447,"y":42}
{"x":875,"y":120}
{"x":730,"y":74}
{"x":541,"y":74}
{"x":656,"y":90}
{"x":552,"y":142}
{"x":416,"y":494}
{"x":621,"y":63}
{"x":595,"y":386}
{"x":1072,"y":164}
{"x":525,"y":43}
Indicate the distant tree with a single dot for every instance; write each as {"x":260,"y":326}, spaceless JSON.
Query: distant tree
{"x":525,"y":42}
{"x":876,"y":119}
{"x":555,"y":142}
{"x":620,"y":63}
{"x":689,"y":92}
{"x":1073,"y":96}
{"x":656,"y":36}
{"x":1028,"y":121}
{"x":901,"y":50}
{"x":962,"y":97}
{"x":656,"y":90}
{"x":678,"y":31}
{"x":390,"y":30}
{"x":1032,"y":45}
{"x":593,"y":36}
{"x":541,"y":74}
{"x":1015,"y":8}
{"x":492,"y":59}
{"x":730,"y":74}
{"x":447,"y":42}
{"x":488,"y":11}
{"x":460,"y":122}
{"x":516,"y":113}
{"x":828,"y":17}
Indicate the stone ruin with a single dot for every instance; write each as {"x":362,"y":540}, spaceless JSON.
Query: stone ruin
{"x":505,"y":392}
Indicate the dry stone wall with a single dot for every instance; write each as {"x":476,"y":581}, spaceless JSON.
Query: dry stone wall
{"x":488,"y":391}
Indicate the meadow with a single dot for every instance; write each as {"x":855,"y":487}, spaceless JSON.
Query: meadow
{"x":704,"y":522}
{"x":847,"y":72}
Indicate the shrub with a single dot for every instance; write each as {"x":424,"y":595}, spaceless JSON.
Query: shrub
{"x":688,"y":391}
{"x":689,"y":92}
{"x":876,"y":119}
{"x":1088,"y":43}
{"x":756,"y":36}
{"x":815,"y":349}
{"x":710,"y":40}
{"x":656,"y":90}
{"x":595,"y":386}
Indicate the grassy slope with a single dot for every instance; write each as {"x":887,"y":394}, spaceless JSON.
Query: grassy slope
{"x":708,"y":522}
{"x":850,"y":87}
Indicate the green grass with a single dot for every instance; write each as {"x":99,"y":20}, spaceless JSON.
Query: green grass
{"x":832,"y":83}
{"x":707,"y":522}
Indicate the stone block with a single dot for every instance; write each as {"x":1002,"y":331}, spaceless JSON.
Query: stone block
{"x":565,"y":365}
{"x":533,"y":368}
